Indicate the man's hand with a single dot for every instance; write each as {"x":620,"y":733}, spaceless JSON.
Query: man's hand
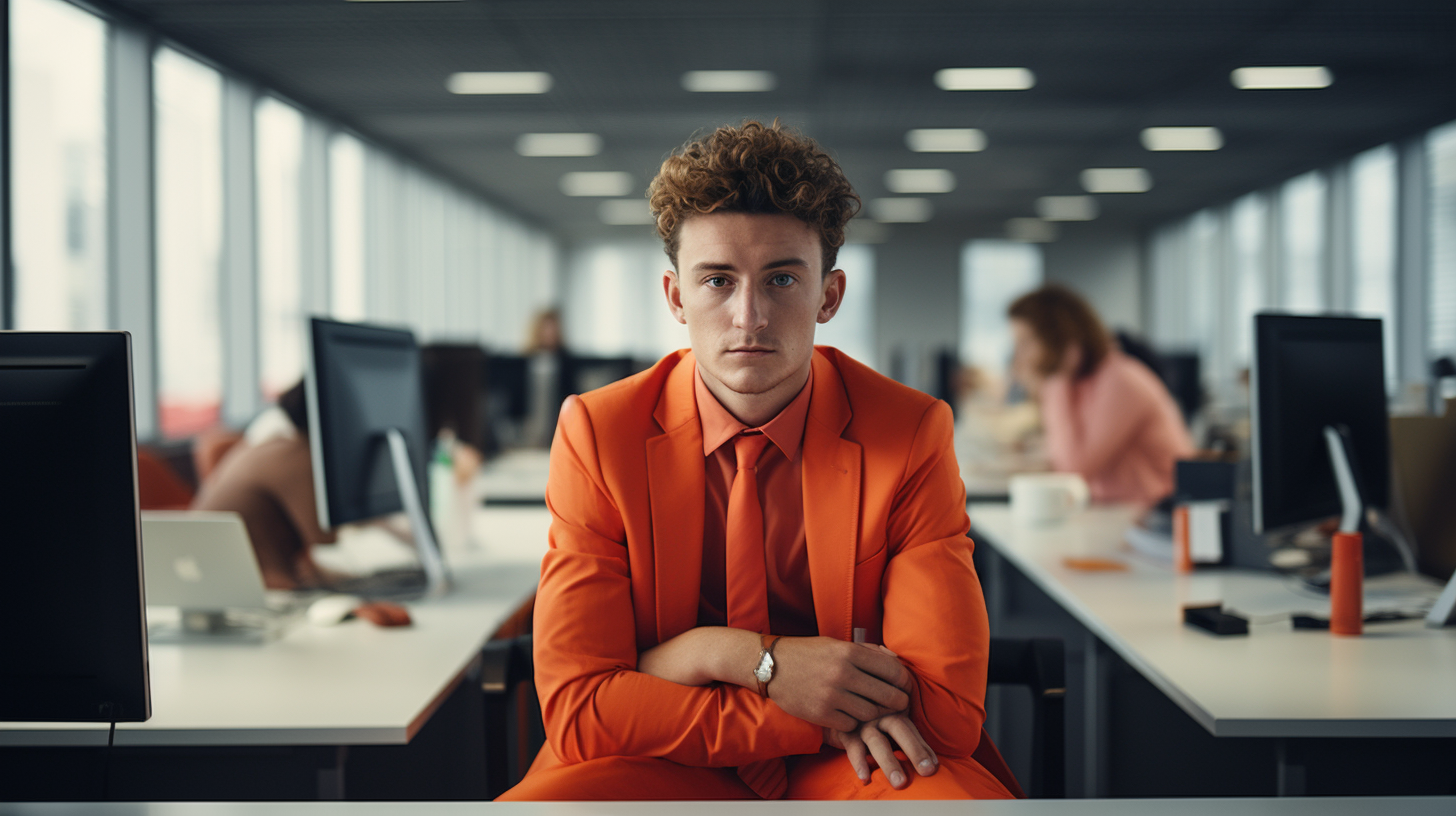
{"x":876,"y":741}
{"x":836,"y":684}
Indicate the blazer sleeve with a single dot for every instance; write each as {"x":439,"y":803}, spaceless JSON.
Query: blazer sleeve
{"x":594,"y":701}
{"x":934,"y":613}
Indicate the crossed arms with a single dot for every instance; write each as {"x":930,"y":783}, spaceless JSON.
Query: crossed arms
{"x":692,"y":698}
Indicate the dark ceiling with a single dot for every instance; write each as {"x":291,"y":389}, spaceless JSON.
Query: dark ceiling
{"x":856,"y":75}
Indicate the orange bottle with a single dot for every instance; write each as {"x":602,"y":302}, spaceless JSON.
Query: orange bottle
{"x":1347,"y":575}
{"x":1182,"y":556}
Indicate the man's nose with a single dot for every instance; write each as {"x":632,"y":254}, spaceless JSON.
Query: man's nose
{"x":748,"y":309}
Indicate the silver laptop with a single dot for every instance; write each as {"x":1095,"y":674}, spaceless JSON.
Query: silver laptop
{"x":203,"y":564}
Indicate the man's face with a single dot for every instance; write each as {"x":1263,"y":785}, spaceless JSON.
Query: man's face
{"x":750,"y":290}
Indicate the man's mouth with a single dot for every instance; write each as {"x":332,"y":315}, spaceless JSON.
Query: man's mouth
{"x":751,"y":350}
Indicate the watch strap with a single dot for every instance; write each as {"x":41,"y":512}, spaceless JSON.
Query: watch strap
{"x":766,"y":646}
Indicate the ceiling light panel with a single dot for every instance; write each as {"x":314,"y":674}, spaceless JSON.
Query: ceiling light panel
{"x":1066,"y":208}
{"x":901,"y":210}
{"x":1031,"y":230}
{"x":609,"y":184}
{"x":559,"y":144}
{"x":985,"y":79}
{"x":1281,"y":77}
{"x":1182,"y":138}
{"x":1117,"y":180}
{"x":625,"y":212}
{"x":499,"y":82}
{"x":902,"y":182}
{"x":945,"y":140}
{"x":729,"y":81}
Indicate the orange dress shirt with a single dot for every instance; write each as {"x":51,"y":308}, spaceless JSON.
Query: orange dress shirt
{"x":780,"y":494}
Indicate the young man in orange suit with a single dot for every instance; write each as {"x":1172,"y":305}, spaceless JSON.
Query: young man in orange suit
{"x":735,"y":530}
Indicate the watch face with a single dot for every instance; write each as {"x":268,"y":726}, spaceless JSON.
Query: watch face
{"x":764,"y":672}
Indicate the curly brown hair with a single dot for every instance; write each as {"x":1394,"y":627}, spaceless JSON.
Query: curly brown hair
{"x":753,"y":168}
{"x":1061,"y":318}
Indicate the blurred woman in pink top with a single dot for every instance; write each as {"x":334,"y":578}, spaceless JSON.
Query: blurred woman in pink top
{"x":1106,"y":415}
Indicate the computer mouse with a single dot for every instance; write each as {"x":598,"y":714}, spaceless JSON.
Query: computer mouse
{"x":383,"y":613}
{"x":333,"y":609}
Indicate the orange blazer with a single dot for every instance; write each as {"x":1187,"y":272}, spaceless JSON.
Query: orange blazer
{"x":885,"y":526}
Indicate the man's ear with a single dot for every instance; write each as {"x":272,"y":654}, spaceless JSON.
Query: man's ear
{"x":673,"y":291}
{"x":833,"y":295}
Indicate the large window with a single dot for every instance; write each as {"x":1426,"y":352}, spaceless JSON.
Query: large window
{"x":346,"y":212}
{"x":1372,"y":244}
{"x":1302,"y":214}
{"x":189,"y":243}
{"x":1441,"y":305}
{"x":615,"y":303}
{"x":1248,"y":251}
{"x":58,"y":165}
{"x":279,"y":129}
{"x":993,"y":273}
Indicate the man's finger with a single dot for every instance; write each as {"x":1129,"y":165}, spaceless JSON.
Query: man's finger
{"x":876,"y":662}
{"x":859,"y":708}
{"x":854,"y":748}
{"x":903,"y":731}
{"x":888,"y":694}
{"x":884,"y":754}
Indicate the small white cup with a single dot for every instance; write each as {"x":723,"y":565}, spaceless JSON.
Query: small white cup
{"x":1044,"y":499}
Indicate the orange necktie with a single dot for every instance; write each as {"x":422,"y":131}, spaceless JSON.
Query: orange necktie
{"x":748,"y":585}
{"x":747,"y":575}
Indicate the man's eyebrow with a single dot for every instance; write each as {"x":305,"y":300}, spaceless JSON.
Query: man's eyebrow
{"x":786,"y":262}
{"x":721,"y":266}
{"x":712,"y":266}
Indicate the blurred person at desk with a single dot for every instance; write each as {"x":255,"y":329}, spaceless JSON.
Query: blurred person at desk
{"x":548,"y":378}
{"x":1106,"y":416}
{"x":267,"y":478}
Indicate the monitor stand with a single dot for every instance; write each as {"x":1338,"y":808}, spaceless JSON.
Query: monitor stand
{"x":437,"y":576}
{"x":1357,"y":516}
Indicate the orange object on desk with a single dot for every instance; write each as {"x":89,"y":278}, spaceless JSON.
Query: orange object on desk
{"x":1182,"y":556}
{"x":1094,"y":564}
{"x":1347,"y":578}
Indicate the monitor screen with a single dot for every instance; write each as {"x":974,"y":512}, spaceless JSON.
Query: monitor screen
{"x":363,"y":381}
{"x":73,"y":644}
{"x":1309,"y":373}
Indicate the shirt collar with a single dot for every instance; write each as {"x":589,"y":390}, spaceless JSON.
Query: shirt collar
{"x":786,"y":430}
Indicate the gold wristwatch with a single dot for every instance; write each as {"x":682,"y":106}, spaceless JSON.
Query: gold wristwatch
{"x":765,"y":670}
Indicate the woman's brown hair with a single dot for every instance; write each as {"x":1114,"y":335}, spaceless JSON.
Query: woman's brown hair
{"x":1061,"y":318}
{"x":754,"y":168}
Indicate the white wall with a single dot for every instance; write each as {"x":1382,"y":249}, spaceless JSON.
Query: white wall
{"x":917,"y":299}
{"x":1105,"y":266}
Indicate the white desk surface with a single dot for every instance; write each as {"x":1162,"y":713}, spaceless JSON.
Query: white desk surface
{"x":1341,"y":806}
{"x":351,"y":684}
{"x":1398,"y":680}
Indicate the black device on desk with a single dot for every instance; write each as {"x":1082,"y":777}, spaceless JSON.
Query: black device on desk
{"x":73,"y":646}
{"x":1319,"y":396}
{"x":369,"y":445}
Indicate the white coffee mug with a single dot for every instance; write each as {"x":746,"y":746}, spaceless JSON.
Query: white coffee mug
{"x":1047,"y":498}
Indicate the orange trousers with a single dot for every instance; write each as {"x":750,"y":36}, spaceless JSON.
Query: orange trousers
{"x":826,"y":775}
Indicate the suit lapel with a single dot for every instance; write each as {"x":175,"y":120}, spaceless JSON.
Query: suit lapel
{"x":676,"y":487}
{"x":831,"y":485}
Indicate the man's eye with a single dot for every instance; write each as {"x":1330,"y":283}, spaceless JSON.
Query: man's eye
{"x":782,"y":279}
{"x":717,"y":282}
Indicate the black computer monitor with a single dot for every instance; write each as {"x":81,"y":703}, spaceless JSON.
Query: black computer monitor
{"x":73,"y":633}
{"x":1310,"y":373}
{"x":370,"y":449}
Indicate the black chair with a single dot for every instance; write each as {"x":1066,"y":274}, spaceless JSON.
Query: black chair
{"x":514,"y":731}
{"x":1040,"y":666}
